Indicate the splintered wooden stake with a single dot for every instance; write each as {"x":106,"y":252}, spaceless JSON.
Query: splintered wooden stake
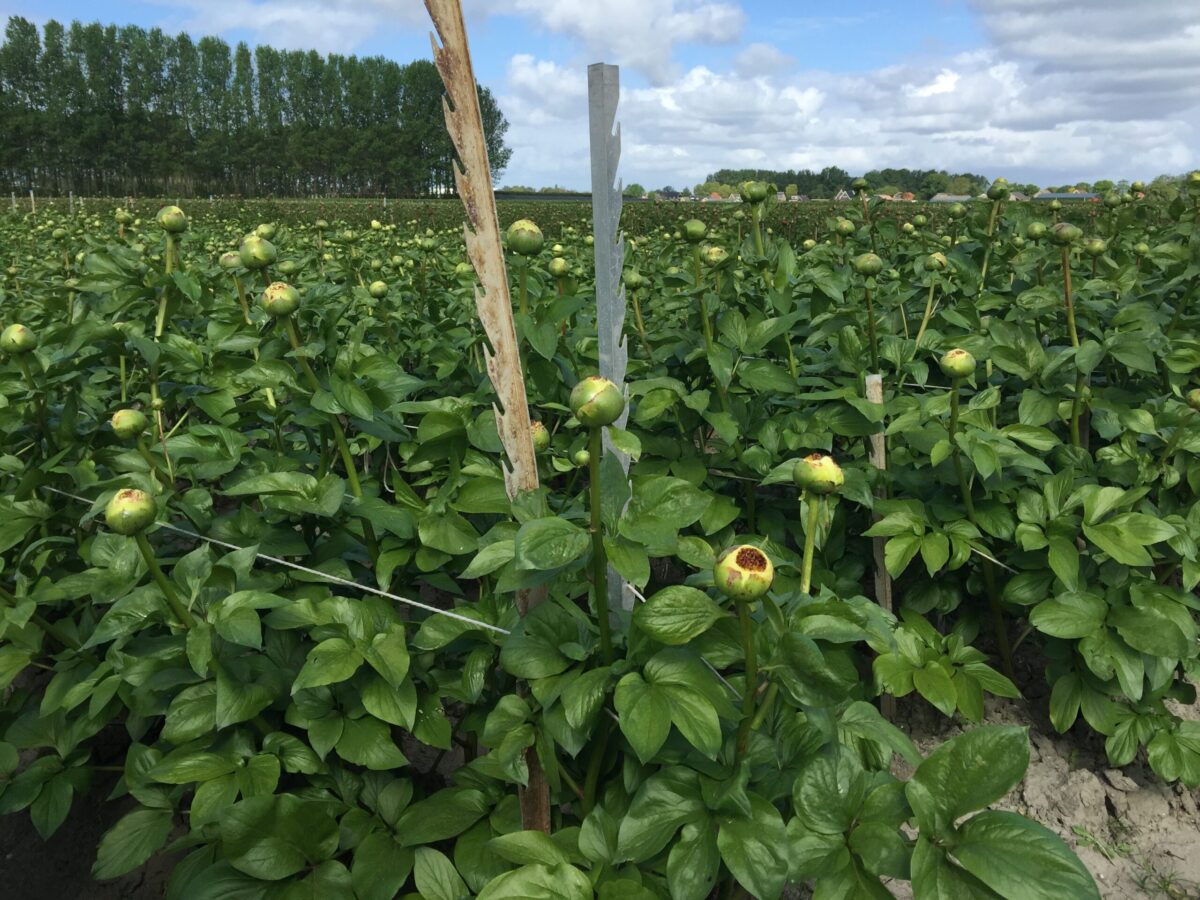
{"x":473,"y":178}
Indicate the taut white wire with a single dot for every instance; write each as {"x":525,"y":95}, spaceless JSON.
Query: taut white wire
{"x":314,"y":572}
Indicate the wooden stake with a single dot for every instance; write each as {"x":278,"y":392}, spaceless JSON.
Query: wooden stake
{"x":883,"y":581}
{"x":473,"y":178}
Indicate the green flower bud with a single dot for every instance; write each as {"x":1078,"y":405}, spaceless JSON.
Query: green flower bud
{"x":818,"y":474}
{"x":908,"y":228}
{"x":755,"y":191}
{"x":1035,"y":231}
{"x":1065,"y":233}
{"x":288,"y":267}
{"x":280,"y":299}
{"x":541,"y":437}
{"x":257,"y":252}
{"x":999,"y":190}
{"x":128,"y":423}
{"x":694,"y":231}
{"x":230,"y":260}
{"x":1141,"y":248}
{"x":919,"y":220}
{"x":17,"y":339}
{"x":525,"y":237}
{"x":130,"y":511}
{"x":378,"y":289}
{"x":957,"y":363}
{"x":581,"y":458}
{"x":714,"y":255}
{"x":559,"y":267}
{"x":376,"y":225}
{"x":1056,"y":205}
{"x":809,"y":243}
{"x":957,"y":210}
{"x":936,"y":262}
{"x":1095,"y":246}
{"x":596,"y":402}
{"x":859,"y":184}
{"x":743,"y":573}
{"x":868,"y":264}
{"x":123,"y":217}
{"x":171,"y":220}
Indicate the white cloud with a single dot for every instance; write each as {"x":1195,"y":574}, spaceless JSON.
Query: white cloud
{"x":943,"y":84}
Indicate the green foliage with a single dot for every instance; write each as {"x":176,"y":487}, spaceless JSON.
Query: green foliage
{"x":298,"y":733}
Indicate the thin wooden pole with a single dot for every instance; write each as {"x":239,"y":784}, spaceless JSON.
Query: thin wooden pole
{"x":472,"y":176}
{"x":883,"y":581}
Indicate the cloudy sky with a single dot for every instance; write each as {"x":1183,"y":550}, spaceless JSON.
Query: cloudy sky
{"x":1048,"y":91}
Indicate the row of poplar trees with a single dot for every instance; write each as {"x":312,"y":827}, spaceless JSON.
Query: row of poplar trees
{"x":107,"y":110}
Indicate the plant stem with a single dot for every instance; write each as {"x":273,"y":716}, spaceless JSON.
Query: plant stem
{"x":928,"y":311}
{"x":523,"y":287}
{"x":1077,"y":400}
{"x":750,"y":688}
{"x":756,"y":220}
{"x":810,"y":541}
{"x":987,"y":253}
{"x":871,"y":332}
{"x":339,"y":437}
{"x":599,"y":558}
{"x":989,"y":576}
{"x":163,"y":582}
{"x":39,"y":402}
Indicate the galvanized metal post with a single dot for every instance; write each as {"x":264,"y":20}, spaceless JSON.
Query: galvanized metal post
{"x":32,"y":203}
{"x":604,"y":91}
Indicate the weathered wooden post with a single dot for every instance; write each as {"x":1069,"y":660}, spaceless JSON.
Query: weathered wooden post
{"x":473,"y":178}
{"x":604,"y":90}
{"x":883,"y":581}
{"x":71,"y":201}
{"x":32,"y":204}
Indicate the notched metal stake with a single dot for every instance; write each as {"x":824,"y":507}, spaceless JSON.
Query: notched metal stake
{"x":604,"y":91}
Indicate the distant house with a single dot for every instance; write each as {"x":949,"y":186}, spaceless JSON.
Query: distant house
{"x":950,"y":198}
{"x":796,"y":198}
{"x":780,"y":196}
{"x":842,"y":195}
{"x":1017,"y":195}
{"x":668,"y":195}
{"x":905,"y":197}
{"x":884,"y":197}
{"x":734,"y":198}
{"x":1050,"y":195}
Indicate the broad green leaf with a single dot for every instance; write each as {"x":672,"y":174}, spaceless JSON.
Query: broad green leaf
{"x":1017,"y":857}
{"x":131,"y":841}
{"x":550,"y":543}
{"x":330,"y":662}
{"x":967,"y":773}
{"x":435,"y":876}
{"x":755,"y":849}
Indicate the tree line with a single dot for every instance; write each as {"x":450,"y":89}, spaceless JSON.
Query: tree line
{"x":108,"y":110}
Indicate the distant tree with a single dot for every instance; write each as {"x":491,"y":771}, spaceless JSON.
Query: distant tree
{"x":634,"y":190}
{"x":105,"y":110}
{"x":1103,"y":186}
{"x":791,"y":190}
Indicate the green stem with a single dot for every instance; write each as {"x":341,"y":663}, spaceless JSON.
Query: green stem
{"x":750,"y":689}
{"x":765,"y":707}
{"x":928,"y":311}
{"x":124,"y":382}
{"x":987,"y":253}
{"x":989,"y":575}
{"x":596,"y":763}
{"x":164,"y":584}
{"x":810,"y":541}
{"x":599,"y":558}
{"x":1080,"y":381}
{"x":154,"y":469}
{"x":756,"y":219}
{"x":523,"y":287}
{"x":39,"y":402}
{"x":339,"y":437}
{"x":871,"y":332}
{"x":160,"y":321}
